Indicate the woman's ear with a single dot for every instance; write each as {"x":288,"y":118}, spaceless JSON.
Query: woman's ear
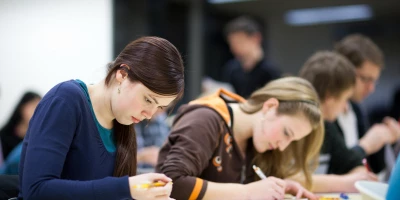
{"x":270,"y":105}
{"x":120,"y":75}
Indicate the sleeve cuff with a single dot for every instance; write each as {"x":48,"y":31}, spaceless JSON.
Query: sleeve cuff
{"x":360,"y":151}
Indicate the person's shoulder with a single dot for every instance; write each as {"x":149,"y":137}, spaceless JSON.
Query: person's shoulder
{"x":232,"y":64}
{"x":198,"y":109}
{"x":68,"y":88}
{"x":330,"y":128}
{"x":199,"y":113}
{"x":270,"y":67}
{"x":355,"y":106}
{"x":68,"y":91}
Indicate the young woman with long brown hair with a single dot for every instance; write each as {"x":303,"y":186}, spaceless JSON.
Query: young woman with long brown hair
{"x":81,"y":142}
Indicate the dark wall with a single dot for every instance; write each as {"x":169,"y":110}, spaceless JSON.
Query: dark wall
{"x":130,"y":21}
{"x":136,"y":18}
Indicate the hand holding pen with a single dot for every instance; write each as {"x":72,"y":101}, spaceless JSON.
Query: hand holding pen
{"x":150,"y":186}
{"x":267,"y":188}
{"x":370,"y":174}
{"x":145,"y":186}
{"x":365,"y":163}
{"x":289,"y":186}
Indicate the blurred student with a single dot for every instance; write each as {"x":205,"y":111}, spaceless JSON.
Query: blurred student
{"x":368,"y":61}
{"x":249,"y":70}
{"x":150,"y":136}
{"x":334,"y":77}
{"x":215,"y":141}
{"x":81,"y":142}
{"x":15,"y":131}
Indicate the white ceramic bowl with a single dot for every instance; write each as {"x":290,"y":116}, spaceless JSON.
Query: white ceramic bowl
{"x":371,"y":190}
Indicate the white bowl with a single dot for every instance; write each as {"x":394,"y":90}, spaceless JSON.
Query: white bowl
{"x":371,"y":190}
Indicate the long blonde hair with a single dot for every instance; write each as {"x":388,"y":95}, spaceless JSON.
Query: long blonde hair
{"x":295,"y":96}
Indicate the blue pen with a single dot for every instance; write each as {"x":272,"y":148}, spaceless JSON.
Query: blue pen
{"x":344,"y":196}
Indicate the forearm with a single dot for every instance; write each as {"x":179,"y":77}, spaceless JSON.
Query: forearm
{"x":358,"y":169}
{"x":107,"y":188}
{"x":327,"y":183}
{"x":225,"y":191}
{"x":366,"y":147}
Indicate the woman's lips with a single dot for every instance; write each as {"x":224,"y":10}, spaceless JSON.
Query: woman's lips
{"x":135,"y":120}
{"x":271,"y":147}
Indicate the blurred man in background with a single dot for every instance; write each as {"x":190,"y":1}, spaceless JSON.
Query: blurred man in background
{"x":249,"y":70}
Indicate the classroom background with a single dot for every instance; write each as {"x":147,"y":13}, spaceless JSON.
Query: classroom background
{"x":44,"y":42}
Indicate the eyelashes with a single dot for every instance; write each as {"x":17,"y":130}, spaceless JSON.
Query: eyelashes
{"x":150,"y":102}
{"x":286,"y":133}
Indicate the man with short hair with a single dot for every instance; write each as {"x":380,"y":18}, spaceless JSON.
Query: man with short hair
{"x":249,"y":70}
{"x":368,"y":60}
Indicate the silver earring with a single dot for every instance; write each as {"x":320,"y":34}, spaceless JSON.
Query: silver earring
{"x":119,"y":91}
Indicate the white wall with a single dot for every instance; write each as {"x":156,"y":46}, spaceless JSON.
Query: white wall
{"x":44,"y":42}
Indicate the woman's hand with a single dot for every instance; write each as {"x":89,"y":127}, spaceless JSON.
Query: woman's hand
{"x":357,"y":175}
{"x":270,"y":188}
{"x":295,"y":188}
{"x":394,"y":126}
{"x":160,"y":192}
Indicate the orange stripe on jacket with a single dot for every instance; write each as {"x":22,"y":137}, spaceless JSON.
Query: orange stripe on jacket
{"x":197,"y":189}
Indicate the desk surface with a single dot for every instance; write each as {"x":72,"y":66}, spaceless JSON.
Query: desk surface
{"x":352,"y":196}
{"x":328,"y":196}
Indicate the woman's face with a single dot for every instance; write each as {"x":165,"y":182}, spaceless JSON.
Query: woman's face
{"x":275,"y":131}
{"x":135,"y":102}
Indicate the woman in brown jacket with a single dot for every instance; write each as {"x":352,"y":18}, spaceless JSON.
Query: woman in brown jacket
{"x":217,"y":139}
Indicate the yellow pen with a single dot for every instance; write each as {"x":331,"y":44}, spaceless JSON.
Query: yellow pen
{"x":150,"y":185}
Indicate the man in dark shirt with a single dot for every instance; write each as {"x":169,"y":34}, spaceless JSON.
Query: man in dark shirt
{"x":368,"y":61}
{"x":249,"y":70}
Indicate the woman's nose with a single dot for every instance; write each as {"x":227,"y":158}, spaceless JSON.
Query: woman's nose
{"x":148,"y":113}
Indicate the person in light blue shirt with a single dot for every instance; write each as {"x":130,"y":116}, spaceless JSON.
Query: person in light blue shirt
{"x":10,"y":165}
{"x":81,"y":143}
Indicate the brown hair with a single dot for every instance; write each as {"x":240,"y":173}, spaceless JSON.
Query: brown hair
{"x":330,"y":74}
{"x":358,"y":49}
{"x":296,"y":96}
{"x":158,"y":65}
{"x":242,"y":24}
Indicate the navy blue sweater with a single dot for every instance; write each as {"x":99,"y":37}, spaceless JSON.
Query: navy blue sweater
{"x":63,"y":156}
